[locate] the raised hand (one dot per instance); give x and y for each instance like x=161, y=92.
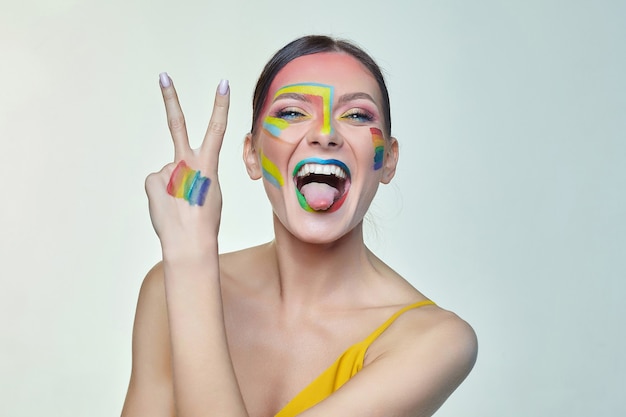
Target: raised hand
x=184, y=226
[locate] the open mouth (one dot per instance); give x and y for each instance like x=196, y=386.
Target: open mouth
x=321, y=184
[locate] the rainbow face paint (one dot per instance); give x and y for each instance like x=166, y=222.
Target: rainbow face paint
x=271, y=172
x=275, y=125
x=378, y=141
x=188, y=184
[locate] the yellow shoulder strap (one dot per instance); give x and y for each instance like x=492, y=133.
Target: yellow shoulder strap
x=368, y=341
x=344, y=368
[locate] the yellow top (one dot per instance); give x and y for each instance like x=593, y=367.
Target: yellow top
x=344, y=368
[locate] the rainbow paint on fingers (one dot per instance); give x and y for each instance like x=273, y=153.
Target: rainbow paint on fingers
x=188, y=184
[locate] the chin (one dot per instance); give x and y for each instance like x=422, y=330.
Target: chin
x=319, y=237
x=318, y=228
x=322, y=227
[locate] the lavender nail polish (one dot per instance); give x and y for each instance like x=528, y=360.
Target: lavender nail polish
x=165, y=80
x=222, y=89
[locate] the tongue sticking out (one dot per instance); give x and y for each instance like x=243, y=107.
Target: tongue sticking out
x=319, y=196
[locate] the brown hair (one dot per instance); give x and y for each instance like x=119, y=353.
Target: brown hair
x=313, y=44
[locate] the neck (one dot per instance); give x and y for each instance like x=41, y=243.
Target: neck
x=312, y=274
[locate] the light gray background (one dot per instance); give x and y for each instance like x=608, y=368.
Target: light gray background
x=508, y=206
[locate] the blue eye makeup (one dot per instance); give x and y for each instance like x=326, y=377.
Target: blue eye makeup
x=289, y=114
x=358, y=115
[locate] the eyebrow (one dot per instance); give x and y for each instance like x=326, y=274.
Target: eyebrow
x=355, y=96
x=295, y=96
x=343, y=99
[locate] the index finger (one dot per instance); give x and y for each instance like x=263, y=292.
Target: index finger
x=175, y=117
x=214, y=136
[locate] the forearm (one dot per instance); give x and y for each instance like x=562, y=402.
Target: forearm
x=204, y=378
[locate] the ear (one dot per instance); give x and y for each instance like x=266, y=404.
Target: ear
x=251, y=158
x=391, y=161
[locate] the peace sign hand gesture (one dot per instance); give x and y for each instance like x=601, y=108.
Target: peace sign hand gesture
x=184, y=197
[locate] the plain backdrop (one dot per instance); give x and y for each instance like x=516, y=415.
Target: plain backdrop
x=508, y=206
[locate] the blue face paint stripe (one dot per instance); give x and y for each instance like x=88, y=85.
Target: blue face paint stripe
x=271, y=179
x=272, y=129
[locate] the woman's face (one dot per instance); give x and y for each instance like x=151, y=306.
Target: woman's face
x=319, y=145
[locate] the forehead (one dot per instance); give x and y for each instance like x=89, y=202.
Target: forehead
x=339, y=70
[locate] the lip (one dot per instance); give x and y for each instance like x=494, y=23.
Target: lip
x=338, y=203
x=321, y=162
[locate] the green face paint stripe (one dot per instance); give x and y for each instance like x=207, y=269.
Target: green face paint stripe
x=271, y=172
x=302, y=201
x=326, y=92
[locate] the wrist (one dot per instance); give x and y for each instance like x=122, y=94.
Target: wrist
x=183, y=270
x=189, y=253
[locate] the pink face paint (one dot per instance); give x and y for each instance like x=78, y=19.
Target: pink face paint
x=275, y=125
x=378, y=141
x=188, y=184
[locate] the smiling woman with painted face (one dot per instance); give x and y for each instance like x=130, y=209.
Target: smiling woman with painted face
x=311, y=323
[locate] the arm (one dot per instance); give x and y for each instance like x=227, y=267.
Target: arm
x=204, y=381
x=150, y=392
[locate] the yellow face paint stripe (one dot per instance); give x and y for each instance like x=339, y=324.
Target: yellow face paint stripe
x=271, y=171
x=275, y=125
x=320, y=90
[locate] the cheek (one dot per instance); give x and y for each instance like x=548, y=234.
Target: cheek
x=274, y=126
x=271, y=173
x=281, y=131
x=274, y=157
x=378, y=142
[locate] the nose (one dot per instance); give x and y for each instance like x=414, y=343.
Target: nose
x=325, y=137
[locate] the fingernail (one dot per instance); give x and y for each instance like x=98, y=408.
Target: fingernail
x=223, y=87
x=165, y=80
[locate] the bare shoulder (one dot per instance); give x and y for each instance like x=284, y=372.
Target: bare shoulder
x=231, y=260
x=239, y=265
x=151, y=306
x=150, y=390
x=433, y=325
x=431, y=341
x=410, y=369
x=426, y=331
x=153, y=283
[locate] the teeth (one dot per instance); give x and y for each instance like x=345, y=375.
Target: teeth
x=321, y=170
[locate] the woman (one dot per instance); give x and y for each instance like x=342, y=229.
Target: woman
x=312, y=323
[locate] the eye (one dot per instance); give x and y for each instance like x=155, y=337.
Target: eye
x=358, y=115
x=290, y=114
